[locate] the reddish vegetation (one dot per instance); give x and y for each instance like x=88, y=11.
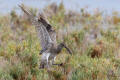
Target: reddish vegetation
x=97, y=50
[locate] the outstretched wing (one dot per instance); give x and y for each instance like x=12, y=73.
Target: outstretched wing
x=32, y=18
x=49, y=28
x=43, y=34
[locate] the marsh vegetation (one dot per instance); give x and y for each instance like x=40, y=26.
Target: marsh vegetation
x=93, y=38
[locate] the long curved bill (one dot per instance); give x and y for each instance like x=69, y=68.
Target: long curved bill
x=70, y=52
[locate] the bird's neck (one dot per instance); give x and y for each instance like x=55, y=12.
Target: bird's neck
x=59, y=48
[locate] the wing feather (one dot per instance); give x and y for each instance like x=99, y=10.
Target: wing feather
x=49, y=28
x=43, y=34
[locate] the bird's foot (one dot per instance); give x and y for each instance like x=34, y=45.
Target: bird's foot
x=61, y=64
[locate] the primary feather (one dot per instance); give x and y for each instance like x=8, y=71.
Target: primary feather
x=49, y=28
x=40, y=26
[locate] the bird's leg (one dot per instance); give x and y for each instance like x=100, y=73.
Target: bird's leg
x=47, y=58
x=53, y=60
x=56, y=64
x=47, y=64
x=41, y=65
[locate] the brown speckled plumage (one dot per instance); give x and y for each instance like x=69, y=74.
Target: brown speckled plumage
x=47, y=36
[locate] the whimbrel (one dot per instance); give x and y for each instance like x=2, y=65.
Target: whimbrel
x=47, y=36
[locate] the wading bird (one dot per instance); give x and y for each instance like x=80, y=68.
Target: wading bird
x=47, y=36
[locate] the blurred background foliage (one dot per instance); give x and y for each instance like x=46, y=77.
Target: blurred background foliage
x=93, y=38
